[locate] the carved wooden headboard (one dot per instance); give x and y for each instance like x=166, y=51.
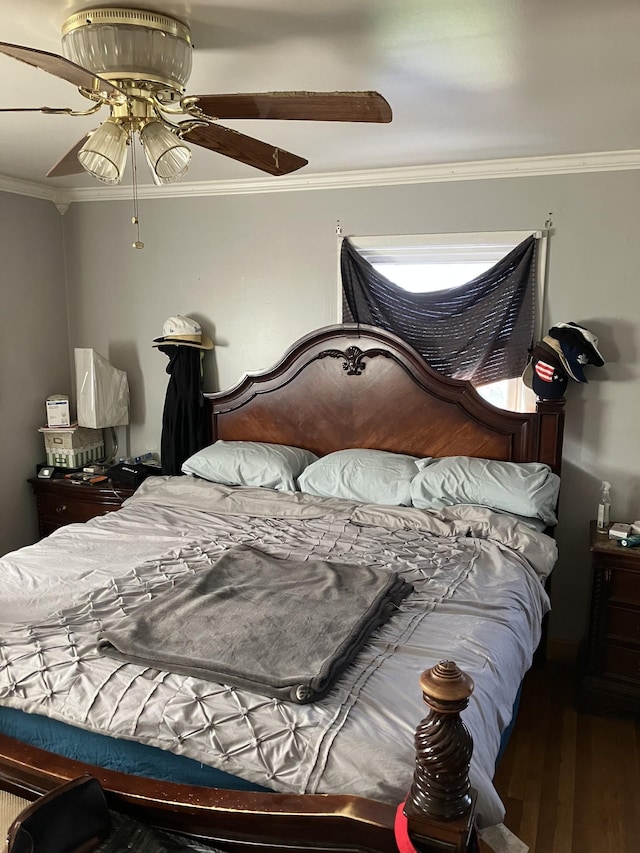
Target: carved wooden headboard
x=359, y=386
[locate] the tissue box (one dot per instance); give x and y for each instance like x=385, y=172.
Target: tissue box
x=619, y=530
x=58, y=414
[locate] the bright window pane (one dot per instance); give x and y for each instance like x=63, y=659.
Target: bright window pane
x=426, y=278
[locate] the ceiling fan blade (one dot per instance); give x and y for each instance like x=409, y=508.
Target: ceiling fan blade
x=300, y=106
x=60, y=67
x=29, y=109
x=246, y=149
x=69, y=164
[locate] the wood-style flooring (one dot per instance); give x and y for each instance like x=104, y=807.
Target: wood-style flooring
x=570, y=782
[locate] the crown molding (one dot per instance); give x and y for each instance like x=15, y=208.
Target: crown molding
x=34, y=190
x=607, y=161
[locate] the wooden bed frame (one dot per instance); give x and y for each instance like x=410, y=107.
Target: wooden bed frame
x=338, y=387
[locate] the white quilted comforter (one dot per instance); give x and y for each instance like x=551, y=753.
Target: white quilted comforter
x=478, y=600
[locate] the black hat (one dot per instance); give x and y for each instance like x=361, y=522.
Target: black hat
x=578, y=347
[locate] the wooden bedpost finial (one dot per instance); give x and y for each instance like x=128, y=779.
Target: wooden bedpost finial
x=441, y=790
x=445, y=688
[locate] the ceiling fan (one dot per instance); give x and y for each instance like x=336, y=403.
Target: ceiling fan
x=137, y=63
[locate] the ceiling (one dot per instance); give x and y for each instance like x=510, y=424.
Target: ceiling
x=468, y=80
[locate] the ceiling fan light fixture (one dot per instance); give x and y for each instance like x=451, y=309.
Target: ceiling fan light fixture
x=167, y=155
x=104, y=154
x=136, y=62
x=120, y=44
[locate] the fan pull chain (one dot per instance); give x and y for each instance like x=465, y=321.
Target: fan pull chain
x=138, y=244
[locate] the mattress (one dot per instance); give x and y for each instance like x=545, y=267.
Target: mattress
x=479, y=599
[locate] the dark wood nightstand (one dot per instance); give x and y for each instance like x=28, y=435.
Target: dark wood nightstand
x=610, y=673
x=61, y=502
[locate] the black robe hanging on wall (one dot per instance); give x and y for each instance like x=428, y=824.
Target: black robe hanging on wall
x=184, y=424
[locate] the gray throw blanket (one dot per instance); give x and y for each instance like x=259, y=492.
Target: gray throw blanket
x=281, y=628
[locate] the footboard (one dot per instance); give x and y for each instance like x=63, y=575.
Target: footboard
x=438, y=811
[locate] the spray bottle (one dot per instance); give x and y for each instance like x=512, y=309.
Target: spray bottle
x=602, y=524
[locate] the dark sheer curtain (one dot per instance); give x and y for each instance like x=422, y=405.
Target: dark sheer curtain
x=184, y=424
x=481, y=331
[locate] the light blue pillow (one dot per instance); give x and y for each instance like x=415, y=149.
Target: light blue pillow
x=367, y=476
x=523, y=488
x=250, y=463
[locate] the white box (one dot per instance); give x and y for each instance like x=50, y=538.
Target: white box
x=75, y=458
x=58, y=414
x=72, y=447
x=70, y=438
x=619, y=530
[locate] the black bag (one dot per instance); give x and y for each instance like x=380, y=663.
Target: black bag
x=129, y=474
x=73, y=818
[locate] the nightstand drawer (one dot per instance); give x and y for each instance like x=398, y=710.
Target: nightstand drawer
x=624, y=584
x=623, y=624
x=60, y=502
x=68, y=509
x=618, y=662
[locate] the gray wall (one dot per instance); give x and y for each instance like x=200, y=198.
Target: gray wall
x=35, y=350
x=260, y=270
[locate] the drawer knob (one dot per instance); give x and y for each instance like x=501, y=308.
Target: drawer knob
x=61, y=509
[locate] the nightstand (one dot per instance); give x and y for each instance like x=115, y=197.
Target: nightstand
x=61, y=502
x=610, y=674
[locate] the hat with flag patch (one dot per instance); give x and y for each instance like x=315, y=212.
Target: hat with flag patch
x=545, y=378
x=569, y=365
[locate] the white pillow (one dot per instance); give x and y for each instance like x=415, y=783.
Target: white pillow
x=250, y=463
x=523, y=488
x=368, y=476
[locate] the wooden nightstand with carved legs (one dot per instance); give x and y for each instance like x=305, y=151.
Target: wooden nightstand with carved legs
x=610, y=674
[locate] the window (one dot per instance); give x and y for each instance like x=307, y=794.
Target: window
x=421, y=263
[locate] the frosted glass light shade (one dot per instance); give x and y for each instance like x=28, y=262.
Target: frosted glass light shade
x=122, y=43
x=104, y=154
x=167, y=155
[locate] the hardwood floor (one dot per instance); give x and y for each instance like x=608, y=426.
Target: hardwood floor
x=570, y=782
